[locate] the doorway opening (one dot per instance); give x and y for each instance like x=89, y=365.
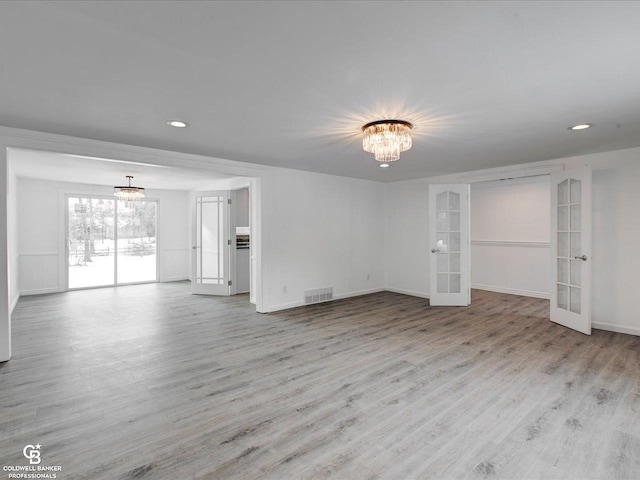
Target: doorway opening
x=110, y=242
x=510, y=236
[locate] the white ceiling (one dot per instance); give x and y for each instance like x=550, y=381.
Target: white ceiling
x=96, y=171
x=290, y=84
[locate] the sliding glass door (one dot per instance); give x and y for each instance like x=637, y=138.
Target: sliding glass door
x=110, y=242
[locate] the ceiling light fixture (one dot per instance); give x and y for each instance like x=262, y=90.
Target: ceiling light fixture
x=384, y=165
x=177, y=123
x=128, y=193
x=580, y=126
x=386, y=139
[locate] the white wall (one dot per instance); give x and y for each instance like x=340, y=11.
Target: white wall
x=510, y=222
x=41, y=232
x=320, y=231
x=407, y=237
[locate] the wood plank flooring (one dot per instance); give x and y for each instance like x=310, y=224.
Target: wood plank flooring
x=151, y=382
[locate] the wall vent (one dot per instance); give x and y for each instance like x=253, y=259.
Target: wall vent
x=318, y=295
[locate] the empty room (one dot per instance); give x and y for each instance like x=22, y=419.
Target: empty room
x=319, y=240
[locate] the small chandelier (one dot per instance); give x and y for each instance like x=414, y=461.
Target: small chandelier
x=128, y=193
x=386, y=139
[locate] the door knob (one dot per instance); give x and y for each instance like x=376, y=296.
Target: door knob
x=583, y=258
x=435, y=250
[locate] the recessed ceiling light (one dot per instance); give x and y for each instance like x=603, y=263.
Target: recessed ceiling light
x=384, y=165
x=580, y=126
x=177, y=123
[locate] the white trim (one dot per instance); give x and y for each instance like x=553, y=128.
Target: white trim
x=511, y=291
x=175, y=279
x=615, y=328
x=508, y=243
x=41, y=291
x=510, y=172
x=358, y=293
x=39, y=254
x=407, y=292
x=300, y=303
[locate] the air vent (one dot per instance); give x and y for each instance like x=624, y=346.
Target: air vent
x=318, y=295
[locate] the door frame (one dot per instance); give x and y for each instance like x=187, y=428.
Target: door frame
x=233, y=274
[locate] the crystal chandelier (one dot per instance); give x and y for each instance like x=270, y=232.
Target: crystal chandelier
x=128, y=193
x=386, y=139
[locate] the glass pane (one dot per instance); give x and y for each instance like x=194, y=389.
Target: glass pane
x=576, y=270
x=563, y=270
x=563, y=219
x=210, y=240
x=443, y=283
x=575, y=218
x=563, y=244
x=576, y=191
x=454, y=219
x=454, y=283
x=442, y=242
x=441, y=201
x=563, y=193
x=442, y=222
x=454, y=201
x=442, y=262
x=91, y=244
x=455, y=241
x=576, y=245
x=563, y=297
x=575, y=300
x=454, y=262
x=136, y=242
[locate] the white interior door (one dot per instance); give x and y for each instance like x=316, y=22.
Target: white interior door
x=450, y=271
x=571, y=248
x=210, y=266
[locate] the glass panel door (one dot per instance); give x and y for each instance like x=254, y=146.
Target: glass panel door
x=449, y=232
x=210, y=273
x=90, y=242
x=110, y=243
x=137, y=256
x=570, y=245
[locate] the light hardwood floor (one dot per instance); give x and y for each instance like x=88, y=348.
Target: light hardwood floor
x=151, y=382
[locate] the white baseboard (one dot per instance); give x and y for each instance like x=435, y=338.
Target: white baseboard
x=283, y=306
x=407, y=292
x=615, y=328
x=40, y=291
x=511, y=291
x=174, y=279
x=286, y=306
x=358, y=293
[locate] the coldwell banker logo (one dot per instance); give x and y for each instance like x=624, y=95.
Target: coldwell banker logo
x=32, y=452
x=34, y=469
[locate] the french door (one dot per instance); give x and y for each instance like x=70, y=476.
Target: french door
x=110, y=242
x=571, y=248
x=450, y=271
x=211, y=244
